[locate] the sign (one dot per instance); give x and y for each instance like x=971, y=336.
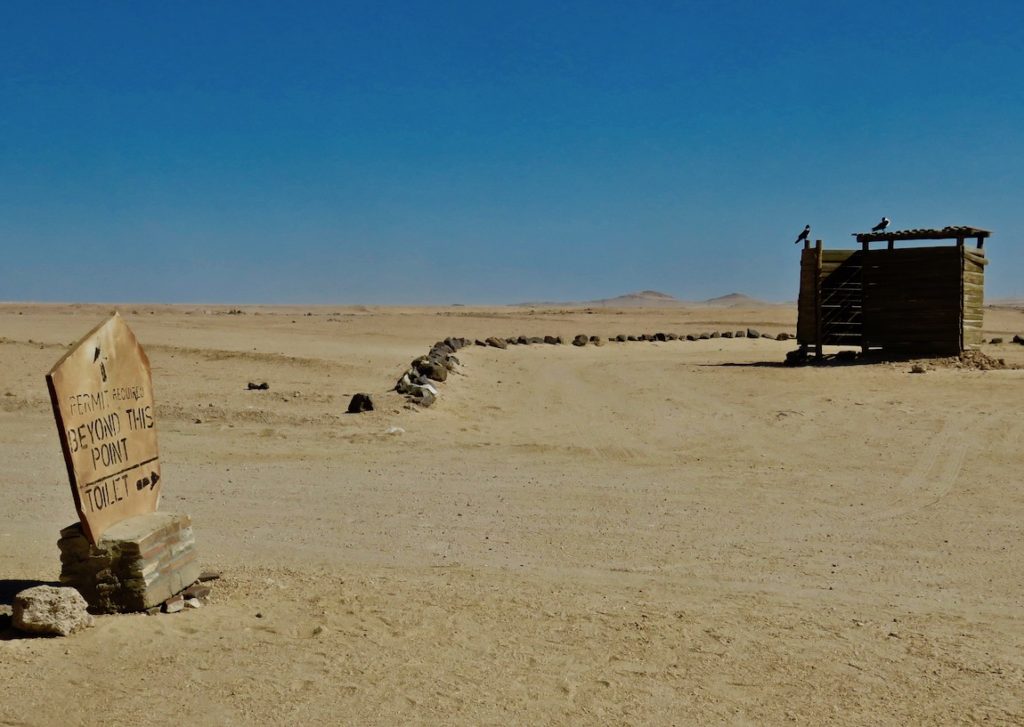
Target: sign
x=102, y=396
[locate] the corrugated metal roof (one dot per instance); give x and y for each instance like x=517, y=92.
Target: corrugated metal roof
x=955, y=232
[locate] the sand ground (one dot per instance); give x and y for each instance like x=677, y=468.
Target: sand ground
x=644, y=533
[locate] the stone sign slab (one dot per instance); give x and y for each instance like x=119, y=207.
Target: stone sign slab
x=102, y=396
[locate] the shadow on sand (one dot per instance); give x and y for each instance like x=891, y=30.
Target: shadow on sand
x=842, y=358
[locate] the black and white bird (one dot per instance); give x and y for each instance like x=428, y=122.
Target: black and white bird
x=881, y=225
x=803, y=235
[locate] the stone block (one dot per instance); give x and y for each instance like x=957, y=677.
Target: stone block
x=138, y=563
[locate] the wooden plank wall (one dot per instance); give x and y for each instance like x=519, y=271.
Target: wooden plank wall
x=974, y=263
x=913, y=300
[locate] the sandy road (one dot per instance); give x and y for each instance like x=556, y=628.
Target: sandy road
x=636, y=534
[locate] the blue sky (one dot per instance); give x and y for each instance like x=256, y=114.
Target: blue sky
x=477, y=152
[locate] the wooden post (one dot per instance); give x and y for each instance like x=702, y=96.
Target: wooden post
x=817, y=302
x=892, y=244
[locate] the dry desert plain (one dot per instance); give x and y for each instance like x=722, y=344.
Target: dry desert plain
x=642, y=533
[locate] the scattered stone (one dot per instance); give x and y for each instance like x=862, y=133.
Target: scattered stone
x=197, y=590
x=193, y=603
x=394, y=430
x=622, y=338
x=537, y=339
x=690, y=337
x=551, y=340
x=597, y=340
x=432, y=370
x=478, y=342
x=1019, y=339
x=727, y=334
x=50, y=610
x=917, y=369
x=768, y=336
x=360, y=403
x=704, y=336
x=741, y=334
x=6, y=614
x=258, y=387
x=672, y=336
x=716, y=334
x=660, y=337
x=209, y=575
x=580, y=340
x=996, y=341
x=174, y=604
x=496, y=343
x=523, y=340
x=752, y=333
x=423, y=397
x=783, y=337
x=631, y=338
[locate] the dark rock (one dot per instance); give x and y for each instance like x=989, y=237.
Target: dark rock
x=727, y=334
x=783, y=336
x=552, y=340
x=996, y=341
x=741, y=334
x=523, y=340
x=846, y=356
x=580, y=340
x=917, y=369
x=622, y=338
x=423, y=397
x=796, y=358
x=752, y=333
x=660, y=337
x=6, y=614
x=478, y=342
x=671, y=336
x=512, y=341
x=433, y=370
x=597, y=340
x=209, y=575
x=1019, y=339
x=716, y=334
x=360, y=403
x=690, y=337
x=537, y=339
x=258, y=387
x=632, y=338
x=769, y=336
x=197, y=590
x=496, y=342
x=704, y=336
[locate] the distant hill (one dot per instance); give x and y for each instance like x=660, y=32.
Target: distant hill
x=644, y=298
x=733, y=300
x=641, y=299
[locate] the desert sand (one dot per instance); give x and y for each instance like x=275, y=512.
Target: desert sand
x=643, y=533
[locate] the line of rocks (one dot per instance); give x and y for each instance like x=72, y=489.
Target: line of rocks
x=584, y=340
x=418, y=382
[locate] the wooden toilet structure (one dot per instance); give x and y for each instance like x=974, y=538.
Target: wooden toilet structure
x=907, y=300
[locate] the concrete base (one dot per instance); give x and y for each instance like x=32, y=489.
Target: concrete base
x=137, y=564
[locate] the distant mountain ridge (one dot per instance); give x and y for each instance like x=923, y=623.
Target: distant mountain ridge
x=649, y=299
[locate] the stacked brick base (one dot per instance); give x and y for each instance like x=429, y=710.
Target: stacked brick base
x=137, y=564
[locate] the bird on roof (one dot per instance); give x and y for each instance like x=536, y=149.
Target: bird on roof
x=881, y=225
x=803, y=235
